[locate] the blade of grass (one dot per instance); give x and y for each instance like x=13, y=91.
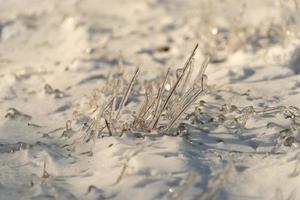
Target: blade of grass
x=125, y=97
x=160, y=96
x=185, y=107
x=175, y=86
x=201, y=72
x=108, y=127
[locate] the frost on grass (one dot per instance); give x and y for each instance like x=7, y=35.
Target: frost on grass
x=163, y=103
x=168, y=107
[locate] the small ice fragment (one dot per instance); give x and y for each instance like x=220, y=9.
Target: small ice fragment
x=167, y=87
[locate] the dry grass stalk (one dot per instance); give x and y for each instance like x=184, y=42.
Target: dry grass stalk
x=191, y=95
x=125, y=96
x=185, y=107
x=108, y=127
x=171, y=104
x=175, y=86
x=148, y=111
x=125, y=166
x=121, y=174
x=161, y=90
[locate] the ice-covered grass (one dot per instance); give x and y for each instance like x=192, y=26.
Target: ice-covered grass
x=113, y=100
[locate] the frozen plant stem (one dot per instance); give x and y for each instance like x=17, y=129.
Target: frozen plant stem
x=108, y=127
x=125, y=166
x=186, y=106
x=122, y=174
x=110, y=103
x=159, y=97
x=175, y=86
x=202, y=71
x=125, y=97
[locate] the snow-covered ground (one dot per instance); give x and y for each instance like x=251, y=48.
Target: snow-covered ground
x=61, y=62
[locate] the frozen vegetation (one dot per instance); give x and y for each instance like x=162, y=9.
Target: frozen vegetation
x=150, y=99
